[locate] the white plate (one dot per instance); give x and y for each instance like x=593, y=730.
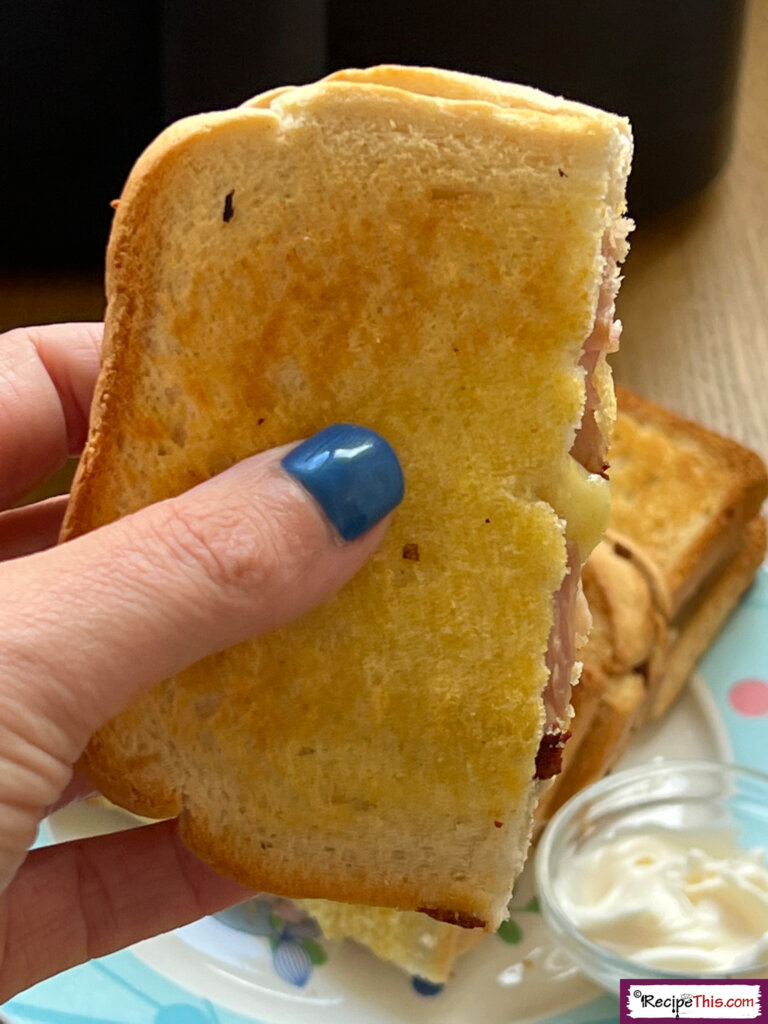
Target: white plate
x=208, y=973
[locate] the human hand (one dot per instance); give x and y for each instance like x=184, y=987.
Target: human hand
x=90, y=624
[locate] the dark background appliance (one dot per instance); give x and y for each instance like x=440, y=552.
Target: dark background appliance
x=86, y=84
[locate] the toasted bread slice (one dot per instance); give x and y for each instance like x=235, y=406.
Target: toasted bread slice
x=427, y=262
x=699, y=490
x=692, y=635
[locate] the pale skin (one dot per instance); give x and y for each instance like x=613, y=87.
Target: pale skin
x=88, y=625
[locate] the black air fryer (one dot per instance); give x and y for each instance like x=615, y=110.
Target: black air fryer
x=85, y=85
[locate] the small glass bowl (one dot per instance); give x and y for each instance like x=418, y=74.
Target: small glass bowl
x=695, y=796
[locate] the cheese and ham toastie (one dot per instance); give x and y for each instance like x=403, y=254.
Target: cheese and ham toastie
x=436, y=256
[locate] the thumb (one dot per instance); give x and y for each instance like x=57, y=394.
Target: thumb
x=94, y=622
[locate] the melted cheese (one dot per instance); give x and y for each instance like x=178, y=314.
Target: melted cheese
x=583, y=500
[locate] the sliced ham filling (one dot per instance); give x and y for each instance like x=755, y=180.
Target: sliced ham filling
x=571, y=619
x=561, y=652
x=570, y=628
x=589, y=446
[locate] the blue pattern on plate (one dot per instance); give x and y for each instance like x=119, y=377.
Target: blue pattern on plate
x=426, y=988
x=741, y=652
x=292, y=935
x=291, y=961
x=604, y=1010
x=118, y=989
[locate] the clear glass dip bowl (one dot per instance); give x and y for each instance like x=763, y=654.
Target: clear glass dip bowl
x=705, y=797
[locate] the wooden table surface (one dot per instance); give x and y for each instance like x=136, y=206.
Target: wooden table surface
x=695, y=300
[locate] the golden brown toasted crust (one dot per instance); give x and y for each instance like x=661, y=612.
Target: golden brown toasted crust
x=699, y=491
x=455, y=85
x=341, y=252
x=693, y=635
x=134, y=259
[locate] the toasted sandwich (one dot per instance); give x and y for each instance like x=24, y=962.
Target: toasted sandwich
x=691, y=538
x=435, y=255
x=698, y=538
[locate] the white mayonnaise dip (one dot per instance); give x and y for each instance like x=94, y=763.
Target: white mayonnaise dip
x=676, y=902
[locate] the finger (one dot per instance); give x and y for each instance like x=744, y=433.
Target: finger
x=78, y=788
x=32, y=528
x=86, y=898
x=139, y=600
x=47, y=376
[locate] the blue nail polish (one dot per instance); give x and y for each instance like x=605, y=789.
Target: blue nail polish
x=352, y=472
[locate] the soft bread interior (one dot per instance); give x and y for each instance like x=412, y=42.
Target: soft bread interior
x=429, y=267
